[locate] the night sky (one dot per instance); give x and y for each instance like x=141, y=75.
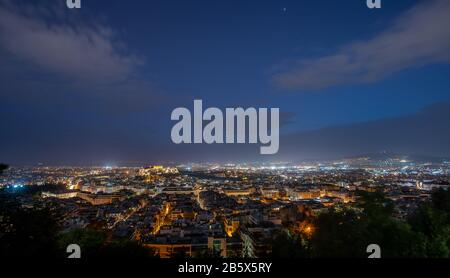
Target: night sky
x=97, y=85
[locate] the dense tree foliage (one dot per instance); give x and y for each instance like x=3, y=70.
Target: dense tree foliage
x=289, y=246
x=96, y=244
x=35, y=233
x=432, y=221
x=27, y=232
x=337, y=232
x=346, y=232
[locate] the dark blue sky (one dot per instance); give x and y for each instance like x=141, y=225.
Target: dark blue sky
x=97, y=85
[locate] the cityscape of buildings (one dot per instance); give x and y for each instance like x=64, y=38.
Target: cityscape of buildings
x=230, y=210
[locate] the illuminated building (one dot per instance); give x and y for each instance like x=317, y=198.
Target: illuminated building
x=231, y=225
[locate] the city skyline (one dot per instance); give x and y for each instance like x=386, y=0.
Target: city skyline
x=238, y=212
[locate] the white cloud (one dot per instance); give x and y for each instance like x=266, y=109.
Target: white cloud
x=76, y=51
x=418, y=37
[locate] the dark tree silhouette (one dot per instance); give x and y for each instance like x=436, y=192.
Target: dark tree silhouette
x=3, y=167
x=287, y=246
x=432, y=221
x=96, y=245
x=346, y=232
x=27, y=232
x=441, y=199
x=338, y=234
